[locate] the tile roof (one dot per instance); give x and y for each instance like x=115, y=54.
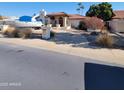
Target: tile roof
x=58, y=14
x=71, y=16
x=76, y=16
x=119, y=14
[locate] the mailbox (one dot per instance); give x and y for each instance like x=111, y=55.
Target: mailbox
x=46, y=33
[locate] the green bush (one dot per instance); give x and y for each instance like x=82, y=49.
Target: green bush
x=52, y=34
x=82, y=25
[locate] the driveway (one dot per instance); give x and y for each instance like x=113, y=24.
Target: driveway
x=74, y=38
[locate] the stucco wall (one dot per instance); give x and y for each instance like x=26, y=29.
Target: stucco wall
x=74, y=23
x=117, y=25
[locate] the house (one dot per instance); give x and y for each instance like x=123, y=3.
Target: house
x=119, y=15
x=58, y=18
x=117, y=22
x=64, y=19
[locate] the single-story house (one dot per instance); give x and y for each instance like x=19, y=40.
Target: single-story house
x=58, y=18
x=119, y=15
x=64, y=19
x=117, y=22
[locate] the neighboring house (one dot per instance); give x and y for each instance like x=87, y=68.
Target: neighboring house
x=117, y=22
x=119, y=15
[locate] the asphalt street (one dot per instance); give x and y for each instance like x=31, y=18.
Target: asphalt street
x=31, y=68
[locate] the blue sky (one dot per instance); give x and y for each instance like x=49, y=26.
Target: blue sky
x=29, y=8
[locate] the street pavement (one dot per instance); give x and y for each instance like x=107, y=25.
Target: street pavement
x=30, y=68
x=33, y=68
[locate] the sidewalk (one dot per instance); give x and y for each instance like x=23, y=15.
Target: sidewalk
x=108, y=55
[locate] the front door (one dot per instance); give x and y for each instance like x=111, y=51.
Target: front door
x=61, y=21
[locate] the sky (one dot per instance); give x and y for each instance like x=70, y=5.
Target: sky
x=31, y=8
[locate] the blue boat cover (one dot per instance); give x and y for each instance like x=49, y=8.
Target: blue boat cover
x=25, y=18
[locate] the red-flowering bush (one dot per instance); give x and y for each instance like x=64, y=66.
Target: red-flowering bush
x=94, y=23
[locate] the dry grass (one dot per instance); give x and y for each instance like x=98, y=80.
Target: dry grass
x=24, y=32
x=17, y=32
x=10, y=32
x=105, y=40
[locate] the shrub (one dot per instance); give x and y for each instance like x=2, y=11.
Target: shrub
x=17, y=32
x=82, y=25
x=104, y=30
x=24, y=32
x=94, y=23
x=52, y=34
x=10, y=32
x=104, y=40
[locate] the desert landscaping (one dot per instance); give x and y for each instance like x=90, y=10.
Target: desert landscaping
x=51, y=47
x=73, y=34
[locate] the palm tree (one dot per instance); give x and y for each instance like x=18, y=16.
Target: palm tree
x=80, y=8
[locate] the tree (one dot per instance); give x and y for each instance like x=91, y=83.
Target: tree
x=103, y=10
x=80, y=8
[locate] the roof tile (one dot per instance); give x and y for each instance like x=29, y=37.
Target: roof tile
x=119, y=14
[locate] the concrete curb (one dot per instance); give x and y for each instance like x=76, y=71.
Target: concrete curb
x=110, y=57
